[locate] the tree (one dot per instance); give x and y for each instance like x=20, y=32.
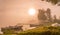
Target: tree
x=48, y=13
x=55, y=19
x=52, y=1
x=41, y=15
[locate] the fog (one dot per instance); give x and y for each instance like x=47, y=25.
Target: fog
x=13, y=12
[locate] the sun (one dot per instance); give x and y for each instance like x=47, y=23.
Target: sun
x=31, y=11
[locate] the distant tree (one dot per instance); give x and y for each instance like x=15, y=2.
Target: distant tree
x=41, y=15
x=48, y=13
x=52, y=1
x=42, y=0
x=58, y=4
x=55, y=19
x=58, y=20
x=59, y=17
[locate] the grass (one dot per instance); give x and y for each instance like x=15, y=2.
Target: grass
x=44, y=30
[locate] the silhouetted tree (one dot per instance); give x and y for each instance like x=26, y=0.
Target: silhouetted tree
x=59, y=17
x=58, y=20
x=55, y=19
x=48, y=13
x=48, y=0
x=52, y=1
x=41, y=15
x=42, y=0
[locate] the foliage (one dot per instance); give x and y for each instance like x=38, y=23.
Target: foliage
x=42, y=31
x=49, y=30
x=48, y=13
x=41, y=15
x=52, y=1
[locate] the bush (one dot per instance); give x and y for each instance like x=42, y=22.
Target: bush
x=42, y=31
x=39, y=31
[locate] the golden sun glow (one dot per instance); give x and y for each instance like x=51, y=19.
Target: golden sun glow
x=31, y=11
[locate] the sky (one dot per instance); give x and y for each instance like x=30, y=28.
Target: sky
x=13, y=12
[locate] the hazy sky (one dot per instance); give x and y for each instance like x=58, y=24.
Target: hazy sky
x=16, y=11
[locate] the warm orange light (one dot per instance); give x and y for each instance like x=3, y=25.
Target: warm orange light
x=31, y=11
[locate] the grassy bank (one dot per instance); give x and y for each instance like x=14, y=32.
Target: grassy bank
x=39, y=31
